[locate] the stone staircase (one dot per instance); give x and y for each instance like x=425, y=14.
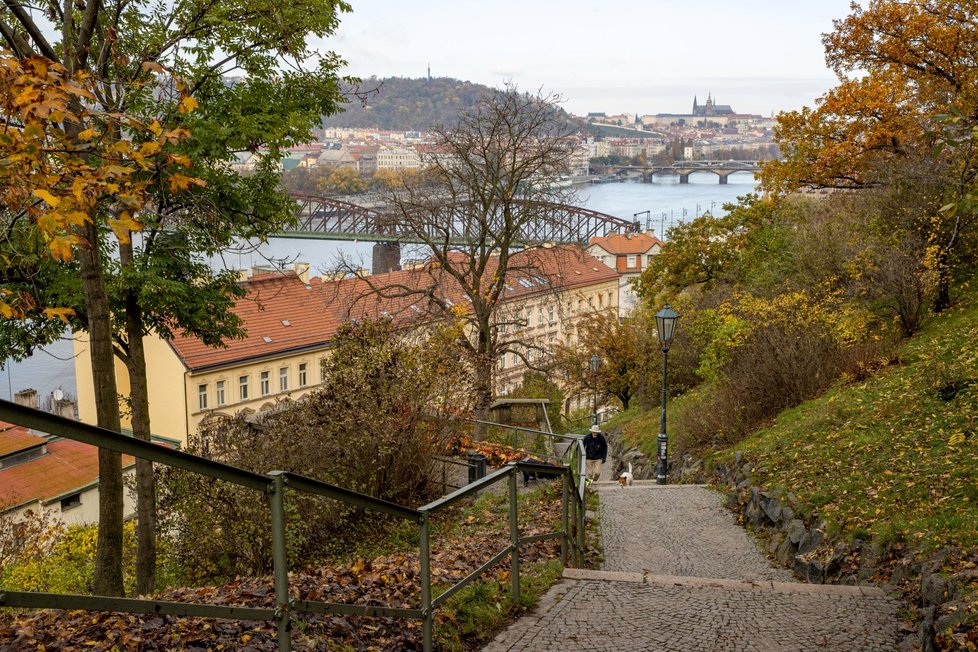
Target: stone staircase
x=680, y=574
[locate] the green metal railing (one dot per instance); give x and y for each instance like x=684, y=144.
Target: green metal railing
x=277, y=483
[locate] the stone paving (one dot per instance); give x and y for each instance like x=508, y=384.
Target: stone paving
x=677, y=530
x=680, y=575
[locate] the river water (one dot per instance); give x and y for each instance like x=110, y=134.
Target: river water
x=667, y=201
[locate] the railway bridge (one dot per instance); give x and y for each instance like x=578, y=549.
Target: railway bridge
x=326, y=218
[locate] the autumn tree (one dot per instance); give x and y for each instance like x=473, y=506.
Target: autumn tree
x=155, y=67
x=622, y=344
x=485, y=187
x=903, y=68
x=64, y=185
x=403, y=386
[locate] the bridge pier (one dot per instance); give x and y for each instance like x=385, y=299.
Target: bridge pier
x=386, y=258
x=684, y=178
x=723, y=178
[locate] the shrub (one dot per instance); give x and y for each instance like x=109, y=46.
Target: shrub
x=367, y=429
x=783, y=351
x=63, y=561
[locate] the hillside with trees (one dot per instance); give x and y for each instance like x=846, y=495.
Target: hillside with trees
x=402, y=104
x=399, y=103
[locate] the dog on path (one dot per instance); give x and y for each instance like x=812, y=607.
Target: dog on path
x=626, y=478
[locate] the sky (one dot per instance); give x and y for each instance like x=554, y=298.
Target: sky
x=759, y=56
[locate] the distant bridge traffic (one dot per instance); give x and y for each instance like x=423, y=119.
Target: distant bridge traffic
x=326, y=218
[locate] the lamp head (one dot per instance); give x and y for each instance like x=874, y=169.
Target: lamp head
x=595, y=364
x=665, y=323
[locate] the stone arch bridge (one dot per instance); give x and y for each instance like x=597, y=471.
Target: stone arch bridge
x=722, y=169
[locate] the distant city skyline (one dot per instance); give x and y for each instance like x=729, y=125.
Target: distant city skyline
x=759, y=56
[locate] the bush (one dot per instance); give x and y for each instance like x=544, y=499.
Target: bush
x=784, y=351
x=368, y=429
x=63, y=561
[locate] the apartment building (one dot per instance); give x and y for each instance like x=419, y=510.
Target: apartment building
x=628, y=254
x=291, y=320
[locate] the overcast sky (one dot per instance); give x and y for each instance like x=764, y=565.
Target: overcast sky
x=648, y=56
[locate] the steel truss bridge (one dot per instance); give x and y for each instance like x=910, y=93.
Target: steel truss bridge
x=324, y=218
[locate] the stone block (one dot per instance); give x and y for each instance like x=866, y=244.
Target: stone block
x=810, y=541
x=796, y=531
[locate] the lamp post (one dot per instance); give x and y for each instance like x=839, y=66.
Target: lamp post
x=595, y=366
x=665, y=323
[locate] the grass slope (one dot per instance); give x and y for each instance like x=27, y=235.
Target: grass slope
x=894, y=458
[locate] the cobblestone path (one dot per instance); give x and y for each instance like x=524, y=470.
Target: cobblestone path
x=680, y=575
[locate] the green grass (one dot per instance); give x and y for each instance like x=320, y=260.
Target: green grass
x=481, y=609
x=894, y=457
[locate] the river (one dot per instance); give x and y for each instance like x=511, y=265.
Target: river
x=667, y=201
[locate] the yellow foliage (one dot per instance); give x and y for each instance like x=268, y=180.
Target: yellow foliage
x=62, y=157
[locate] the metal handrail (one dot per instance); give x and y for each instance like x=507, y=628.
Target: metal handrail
x=276, y=483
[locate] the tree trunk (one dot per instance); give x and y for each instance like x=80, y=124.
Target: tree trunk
x=483, y=369
x=943, y=299
x=141, y=429
x=108, y=554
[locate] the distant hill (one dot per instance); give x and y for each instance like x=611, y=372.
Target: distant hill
x=401, y=104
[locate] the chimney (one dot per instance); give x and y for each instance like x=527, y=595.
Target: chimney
x=302, y=271
x=28, y=398
x=65, y=408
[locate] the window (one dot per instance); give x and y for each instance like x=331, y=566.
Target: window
x=600, y=301
x=611, y=298
x=243, y=388
x=322, y=370
x=283, y=378
x=219, y=392
x=550, y=313
x=202, y=396
x=540, y=315
x=502, y=361
x=264, y=383
x=302, y=374
x=590, y=303
x=69, y=502
x=630, y=261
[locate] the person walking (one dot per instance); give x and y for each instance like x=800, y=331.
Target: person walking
x=595, y=452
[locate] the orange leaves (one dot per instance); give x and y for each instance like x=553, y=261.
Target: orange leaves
x=180, y=181
x=65, y=161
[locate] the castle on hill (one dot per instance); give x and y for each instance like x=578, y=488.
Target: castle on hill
x=710, y=109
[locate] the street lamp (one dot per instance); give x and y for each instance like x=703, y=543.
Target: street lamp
x=595, y=366
x=665, y=323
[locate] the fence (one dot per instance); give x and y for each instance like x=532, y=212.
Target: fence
x=277, y=483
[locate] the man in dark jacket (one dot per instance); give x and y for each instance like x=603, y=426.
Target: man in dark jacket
x=595, y=451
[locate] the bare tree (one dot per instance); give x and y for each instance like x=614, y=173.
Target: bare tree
x=483, y=205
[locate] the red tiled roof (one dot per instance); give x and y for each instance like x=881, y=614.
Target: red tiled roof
x=636, y=243
x=14, y=439
x=315, y=311
x=67, y=466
